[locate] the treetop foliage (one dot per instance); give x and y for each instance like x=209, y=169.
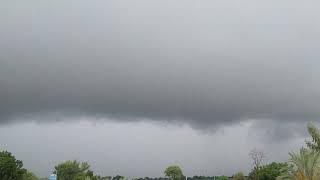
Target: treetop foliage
x=315, y=135
x=174, y=172
x=239, y=176
x=74, y=170
x=302, y=165
x=10, y=168
x=267, y=172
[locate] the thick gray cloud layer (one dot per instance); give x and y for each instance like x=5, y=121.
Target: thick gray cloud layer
x=206, y=62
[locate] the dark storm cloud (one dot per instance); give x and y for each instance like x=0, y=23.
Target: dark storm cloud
x=207, y=63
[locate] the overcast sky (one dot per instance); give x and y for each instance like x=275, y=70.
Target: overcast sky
x=194, y=83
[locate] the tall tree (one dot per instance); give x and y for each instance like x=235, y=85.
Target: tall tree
x=257, y=157
x=174, y=172
x=315, y=135
x=72, y=170
x=304, y=165
x=268, y=172
x=10, y=168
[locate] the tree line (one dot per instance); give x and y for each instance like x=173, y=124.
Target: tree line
x=302, y=165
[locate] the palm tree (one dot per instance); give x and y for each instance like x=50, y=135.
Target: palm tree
x=304, y=165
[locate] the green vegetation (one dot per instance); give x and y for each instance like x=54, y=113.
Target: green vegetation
x=238, y=176
x=10, y=168
x=30, y=176
x=304, y=165
x=221, y=178
x=268, y=172
x=314, y=144
x=174, y=172
x=74, y=170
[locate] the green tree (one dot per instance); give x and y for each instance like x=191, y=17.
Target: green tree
x=10, y=168
x=221, y=178
x=90, y=175
x=72, y=170
x=174, y=172
x=315, y=135
x=304, y=165
x=30, y=176
x=118, y=177
x=268, y=172
x=106, y=178
x=238, y=176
